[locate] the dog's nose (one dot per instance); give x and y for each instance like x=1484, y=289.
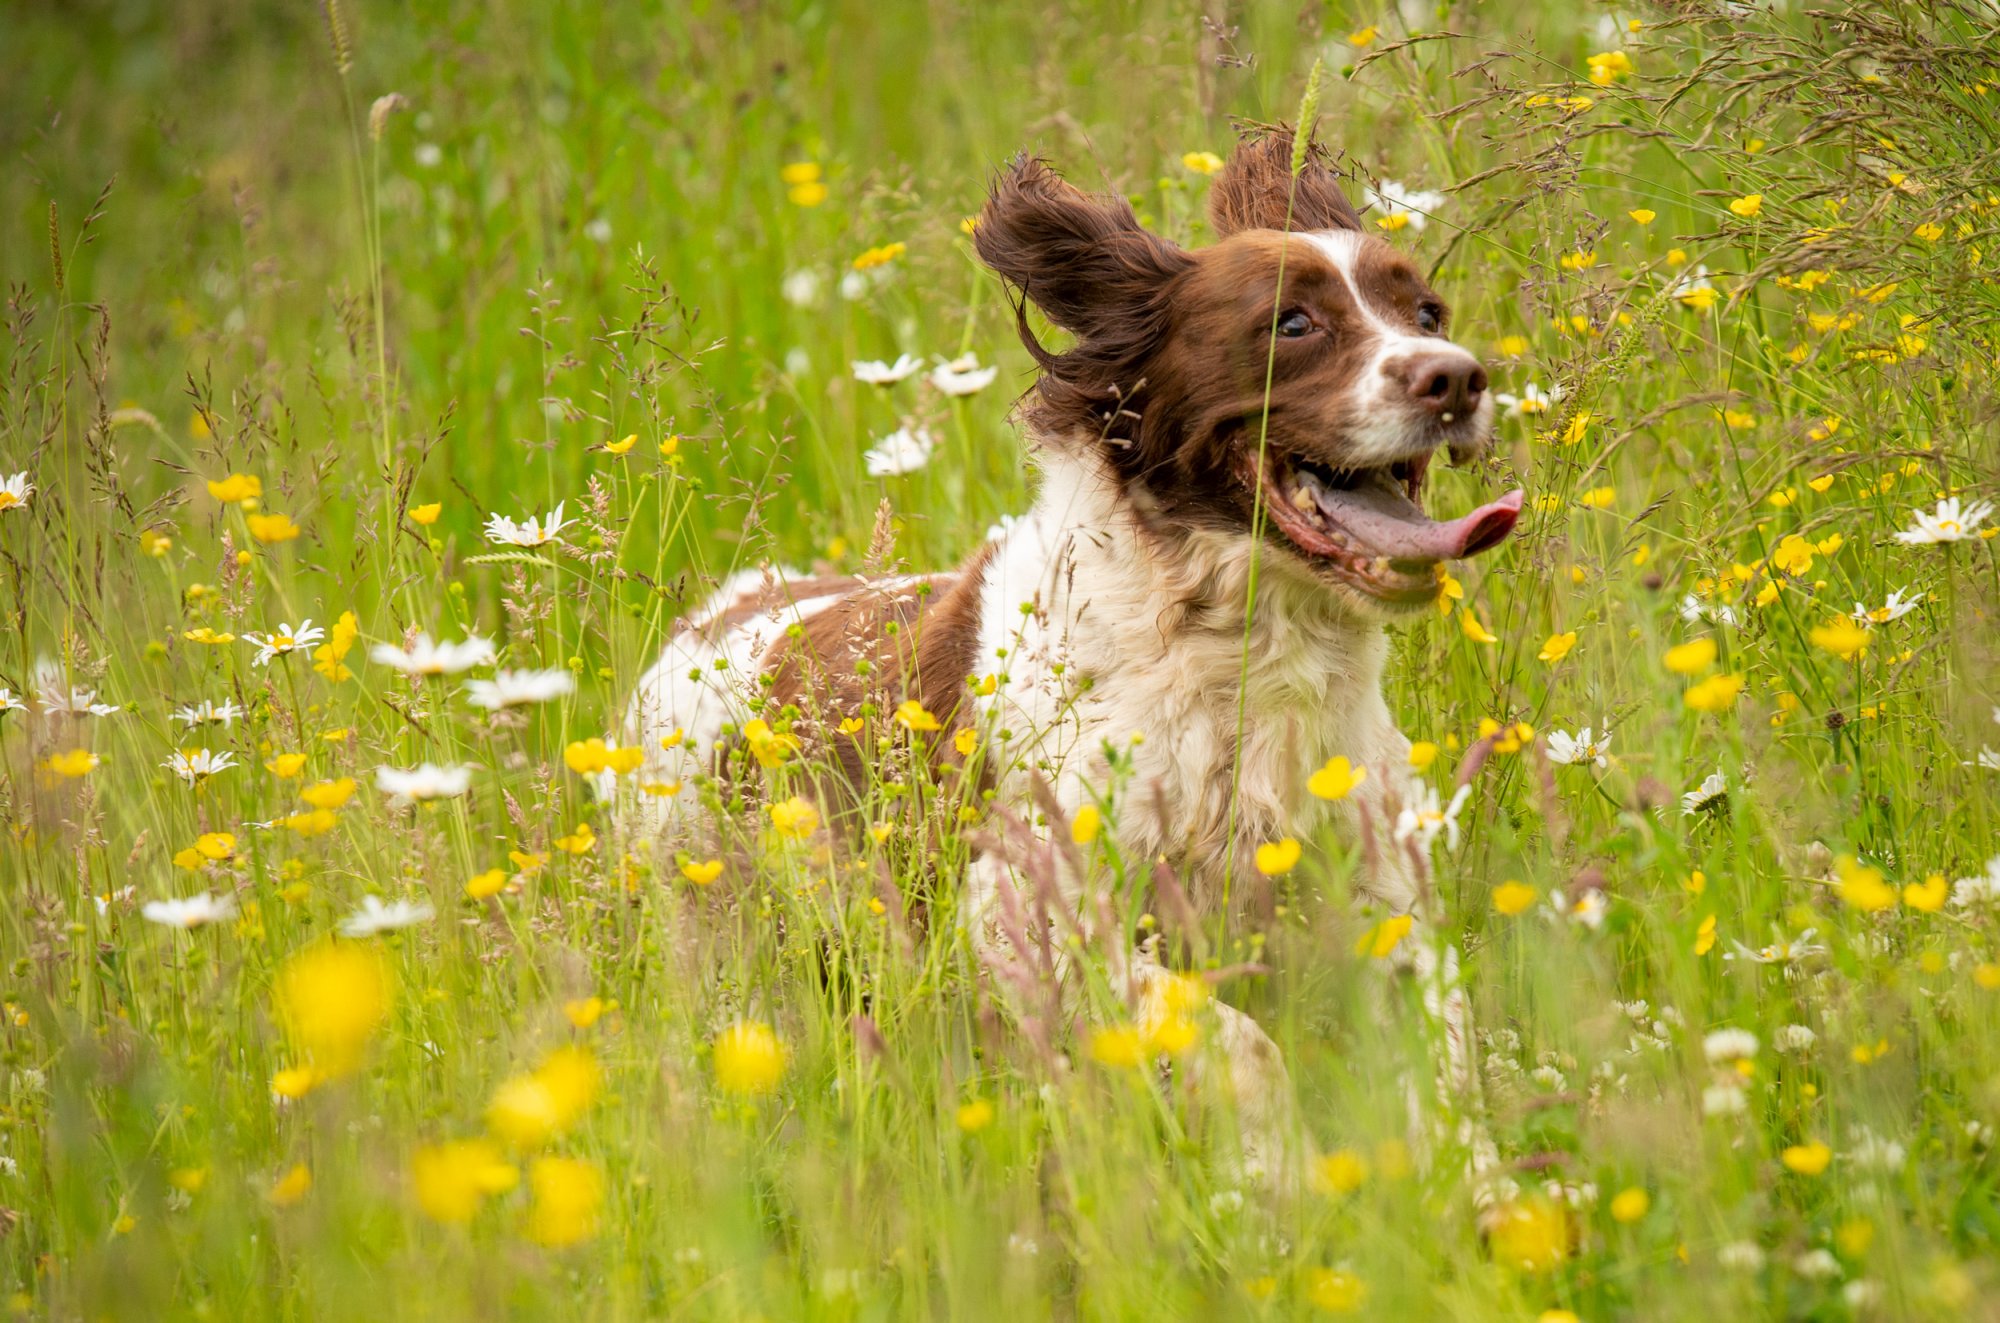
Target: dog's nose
x=1448, y=385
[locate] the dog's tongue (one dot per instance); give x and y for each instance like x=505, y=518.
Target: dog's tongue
x=1387, y=522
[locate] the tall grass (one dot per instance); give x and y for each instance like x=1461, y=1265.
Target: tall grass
x=580, y=229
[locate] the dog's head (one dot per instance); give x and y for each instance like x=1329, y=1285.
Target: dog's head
x=1297, y=337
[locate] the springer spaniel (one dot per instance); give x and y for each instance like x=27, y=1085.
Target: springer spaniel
x=1251, y=418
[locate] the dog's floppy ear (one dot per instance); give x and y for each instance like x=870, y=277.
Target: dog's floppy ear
x=1254, y=190
x=1084, y=261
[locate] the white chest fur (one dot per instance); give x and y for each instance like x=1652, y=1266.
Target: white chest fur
x=1124, y=640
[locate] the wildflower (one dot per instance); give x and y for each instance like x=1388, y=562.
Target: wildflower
x=1084, y=826
x=530, y=532
x=1473, y=629
x=423, y=657
x=879, y=256
x=426, y=781
x=10, y=702
x=1783, y=951
x=329, y=794
x=1862, y=886
x=489, y=883
x=965, y=742
x=207, y=713
x=1809, y=1159
x=593, y=756
x=912, y=715
x=875, y=372
x=1874, y=1153
x=1841, y=637
x=285, y=766
x=1718, y=693
x=568, y=1192
x=426, y=515
x=318, y=822
x=1795, y=1039
x=1979, y=890
x=291, y=1188
x=1531, y=1235
x=1607, y=67
x=209, y=847
x=1630, y=1205
x=283, y=641
x=580, y=842
x=974, y=1116
x=963, y=376
x=794, y=819
x=15, y=489
x=1642, y=215
x=1727, y=1046
x=904, y=450
x=531, y=1108
x=1894, y=607
x=1556, y=647
x=1423, y=819
x=196, y=766
x=72, y=764
x=236, y=488
x=1693, y=610
x=1276, y=858
x=450, y=1180
x=328, y=657
x=1511, y=898
x=270, y=529
x=59, y=700
x=190, y=912
x=1588, y=909
x=1690, y=658
x=1201, y=163
x=749, y=1059
x=374, y=917
x=1118, y=1046
x=1338, y=778
x=1532, y=400
x=330, y=999
x=1401, y=207
x=1693, y=289
x=1951, y=522
x=1422, y=754
x=1748, y=206
x=1741, y=1255
x=1582, y=747
x=803, y=183
x=1711, y=794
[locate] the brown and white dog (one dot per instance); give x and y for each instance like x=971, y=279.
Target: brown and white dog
x=1264, y=409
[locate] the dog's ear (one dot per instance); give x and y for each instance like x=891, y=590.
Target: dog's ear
x=1255, y=191
x=1084, y=261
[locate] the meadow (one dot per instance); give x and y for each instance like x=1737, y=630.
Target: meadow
x=311, y=308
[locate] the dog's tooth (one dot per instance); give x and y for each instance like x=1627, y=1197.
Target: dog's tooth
x=1304, y=500
x=1380, y=565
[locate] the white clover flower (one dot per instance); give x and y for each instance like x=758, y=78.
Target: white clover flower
x=195, y=766
x=283, y=641
x=1401, y=206
x=1532, y=399
x=1816, y=1265
x=1894, y=608
x=426, y=781
x=15, y=489
x=1861, y=1293
x=1724, y=1099
x=534, y=531
x=963, y=376
x=1726, y=1045
x=1951, y=522
x=1582, y=747
x=375, y=917
x=854, y=285
x=598, y=230
x=1423, y=819
x=1797, y=1039
x=801, y=288
x=904, y=450
x=1871, y=1151
x=515, y=688
x=191, y=912
x=1980, y=890
x=207, y=713
x=424, y=657
x=1710, y=794
x=875, y=372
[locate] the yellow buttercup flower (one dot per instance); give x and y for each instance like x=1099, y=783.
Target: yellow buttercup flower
x=532, y=1108
x=794, y=818
x=272, y=528
x=72, y=763
x=1642, y=215
x=1083, y=827
x=1276, y=858
x=1690, y=658
x=1511, y=898
x=451, y=1180
x=1840, y=636
x=1718, y=693
x=488, y=883
x=285, y=766
x=912, y=715
x=1473, y=629
x=1861, y=886
x=1808, y=1159
x=1381, y=941
x=426, y=515
x=1557, y=647
x=1338, y=778
x=1202, y=163
x=329, y=794
x=291, y=1188
x=1747, y=206
x=331, y=999
x=568, y=1194
x=236, y=488
x=1630, y=1205
x=1929, y=895
x=621, y=445
x=703, y=872
x=749, y=1058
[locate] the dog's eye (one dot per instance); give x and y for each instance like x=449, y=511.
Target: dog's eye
x=1430, y=319
x=1294, y=324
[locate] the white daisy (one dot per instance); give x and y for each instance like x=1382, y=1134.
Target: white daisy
x=283, y=640
x=1895, y=607
x=15, y=489
x=1726, y=1045
x=1980, y=889
x=875, y=372
x=963, y=376
x=1782, y=951
x=1401, y=206
x=105, y=901
x=10, y=702
x=514, y=688
x=1692, y=281
x=1424, y=818
x=1582, y=747
x=375, y=917
x=1988, y=758
x=1532, y=399
x=423, y=657
x=904, y=450
x=1588, y=909
x=195, y=766
x=1710, y=794
x=1951, y=522
x=191, y=912
x=530, y=532
x=75, y=703
x=207, y=713
x=423, y=782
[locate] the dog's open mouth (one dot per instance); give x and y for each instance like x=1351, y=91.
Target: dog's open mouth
x=1369, y=527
